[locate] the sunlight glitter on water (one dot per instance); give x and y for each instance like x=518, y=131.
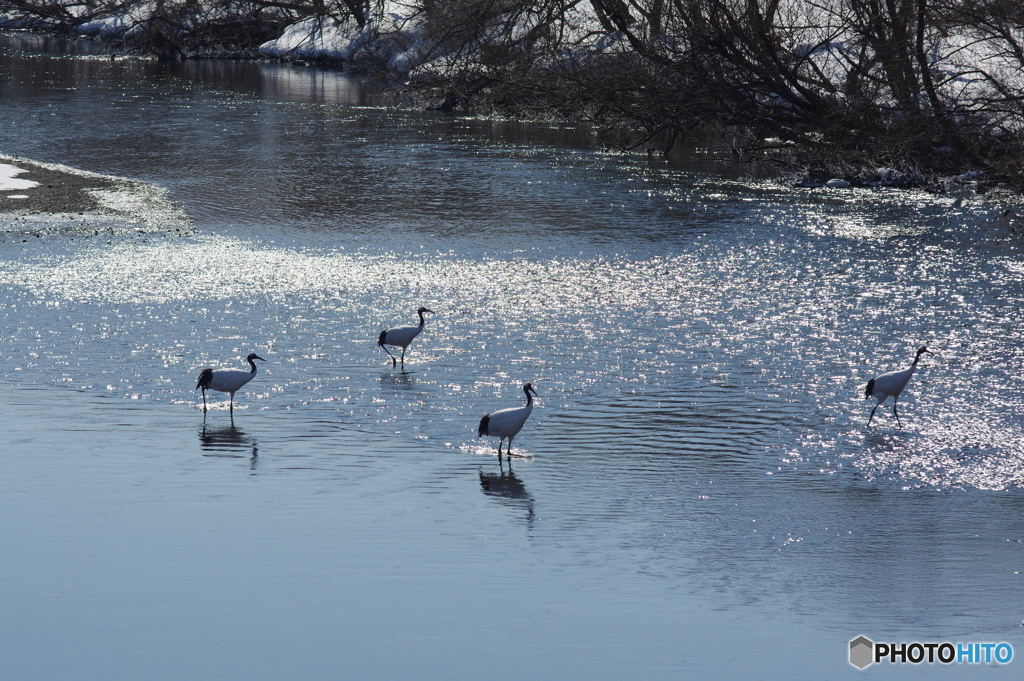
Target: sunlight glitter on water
x=672, y=351
x=226, y=268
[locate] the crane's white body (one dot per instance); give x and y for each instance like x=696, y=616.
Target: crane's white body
x=891, y=384
x=227, y=380
x=508, y=422
x=402, y=336
x=230, y=380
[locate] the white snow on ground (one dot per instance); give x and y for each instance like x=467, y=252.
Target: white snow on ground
x=399, y=35
x=121, y=24
x=9, y=182
x=318, y=38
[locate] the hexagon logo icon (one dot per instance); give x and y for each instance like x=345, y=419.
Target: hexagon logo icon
x=862, y=652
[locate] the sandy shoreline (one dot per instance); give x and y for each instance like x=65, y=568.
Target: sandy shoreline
x=58, y=191
x=68, y=194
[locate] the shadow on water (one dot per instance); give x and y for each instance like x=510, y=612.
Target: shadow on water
x=508, y=488
x=228, y=441
x=404, y=380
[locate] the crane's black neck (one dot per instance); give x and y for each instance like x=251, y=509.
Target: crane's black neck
x=252, y=363
x=529, y=397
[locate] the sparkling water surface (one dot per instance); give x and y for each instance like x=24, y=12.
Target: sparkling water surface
x=695, y=495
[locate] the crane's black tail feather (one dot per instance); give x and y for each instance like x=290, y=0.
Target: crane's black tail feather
x=870, y=388
x=381, y=341
x=205, y=376
x=485, y=422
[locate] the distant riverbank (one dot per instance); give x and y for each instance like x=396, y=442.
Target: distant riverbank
x=828, y=91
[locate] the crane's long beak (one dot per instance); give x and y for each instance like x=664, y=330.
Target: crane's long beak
x=259, y=358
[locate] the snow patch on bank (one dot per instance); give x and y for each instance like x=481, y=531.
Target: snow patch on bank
x=122, y=25
x=319, y=38
x=8, y=181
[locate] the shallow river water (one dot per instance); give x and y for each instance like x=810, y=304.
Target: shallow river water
x=696, y=494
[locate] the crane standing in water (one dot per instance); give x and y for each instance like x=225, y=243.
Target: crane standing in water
x=507, y=422
x=891, y=384
x=402, y=336
x=227, y=380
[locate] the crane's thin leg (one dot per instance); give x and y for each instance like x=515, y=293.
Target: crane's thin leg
x=389, y=355
x=403, y=359
x=204, y=400
x=872, y=414
x=896, y=414
x=231, y=403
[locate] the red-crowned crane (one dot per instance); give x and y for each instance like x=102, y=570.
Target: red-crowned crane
x=227, y=380
x=891, y=384
x=402, y=336
x=508, y=422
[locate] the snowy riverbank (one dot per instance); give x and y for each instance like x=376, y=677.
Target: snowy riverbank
x=930, y=92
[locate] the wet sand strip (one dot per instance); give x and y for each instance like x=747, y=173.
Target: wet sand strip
x=62, y=193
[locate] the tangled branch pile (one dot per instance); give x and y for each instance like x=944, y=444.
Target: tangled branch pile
x=925, y=86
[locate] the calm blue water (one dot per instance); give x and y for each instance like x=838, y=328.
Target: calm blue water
x=696, y=493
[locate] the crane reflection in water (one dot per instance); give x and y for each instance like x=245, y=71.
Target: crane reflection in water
x=508, y=488
x=396, y=382
x=229, y=442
